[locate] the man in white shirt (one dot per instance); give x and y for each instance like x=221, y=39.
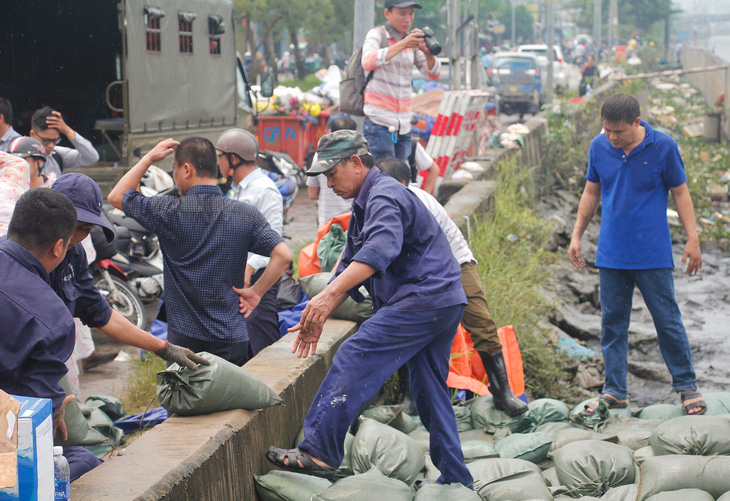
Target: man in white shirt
x=47, y=125
x=237, y=150
x=476, y=320
x=7, y=133
x=329, y=205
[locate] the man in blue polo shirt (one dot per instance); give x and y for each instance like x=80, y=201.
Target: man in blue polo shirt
x=632, y=168
x=397, y=250
x=205, y=240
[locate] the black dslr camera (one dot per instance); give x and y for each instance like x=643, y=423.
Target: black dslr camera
x=433, y=45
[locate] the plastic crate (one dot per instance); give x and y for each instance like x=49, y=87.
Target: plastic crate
x=285, y=134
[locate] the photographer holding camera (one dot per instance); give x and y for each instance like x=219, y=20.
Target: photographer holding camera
x=387, y=124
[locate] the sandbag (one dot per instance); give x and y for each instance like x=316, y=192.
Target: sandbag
x=508, y=480
x=624, y=493
x=565, y=437
x=345, y=469
x=393, y=452
x=718, y=403
x=220, y=386
x=349, y=310
x=601, y=414
x=552, y=429
x=369, y=486
x=696, y=435
x=682, y=495
x=662, y=412
x=724, y=497
x=79, y=430
x=463, y=418
x=451, y=492
x=289, y=486
x=641, y=455
x=421, y=436
x=632, y=432
x=550, y=475
x=392, y=415
x=485, y=416
x=532, y=447
x=591, y=467
x=547, y=410
x=671, y=473
x=111, y=406
x=476, y=435
x=476, y=450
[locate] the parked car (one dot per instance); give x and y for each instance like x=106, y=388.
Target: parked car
x=560, y=67
x=517, y=78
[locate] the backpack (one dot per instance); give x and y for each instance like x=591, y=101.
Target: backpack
x=352, y=87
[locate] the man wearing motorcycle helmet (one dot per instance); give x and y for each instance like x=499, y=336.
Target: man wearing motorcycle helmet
x=73, y=283
x=33, y=152
x=237, y=150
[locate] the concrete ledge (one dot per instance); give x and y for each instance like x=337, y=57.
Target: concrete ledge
x=214, y=457
x=473, y=198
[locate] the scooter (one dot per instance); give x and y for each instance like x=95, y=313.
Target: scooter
x=285, y=173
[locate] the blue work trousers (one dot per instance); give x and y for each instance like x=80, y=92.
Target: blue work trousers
x=80, y=460
x=380, y=142
x=420, y=339
x=657, y=288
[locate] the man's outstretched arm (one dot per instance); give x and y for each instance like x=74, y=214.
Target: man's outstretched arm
x=686, y=211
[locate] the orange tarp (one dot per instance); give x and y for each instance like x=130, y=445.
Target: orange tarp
x=308, y=260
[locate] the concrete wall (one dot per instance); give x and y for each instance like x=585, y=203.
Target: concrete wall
x=215, y=457
x=711, y=83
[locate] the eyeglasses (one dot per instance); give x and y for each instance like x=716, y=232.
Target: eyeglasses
x=49, y=141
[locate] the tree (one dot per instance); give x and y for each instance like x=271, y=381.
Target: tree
x=523, y=21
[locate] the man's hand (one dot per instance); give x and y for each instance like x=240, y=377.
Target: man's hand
x=414, y=40
x=59, y=425
x=574, y=253
x=693, y=254
x=248, y=300
x=162, y=150
x=310, y=326
x=184, y=357
x=55, y=121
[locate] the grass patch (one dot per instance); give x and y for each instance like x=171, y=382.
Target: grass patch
x=140, y=385
x=514, y=264
x=308, y=83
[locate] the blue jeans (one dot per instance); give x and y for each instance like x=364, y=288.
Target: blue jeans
x=381, y=142
x=420, y=339
x=657, y=288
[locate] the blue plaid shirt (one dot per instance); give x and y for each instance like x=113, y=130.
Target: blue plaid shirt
x=205, y=239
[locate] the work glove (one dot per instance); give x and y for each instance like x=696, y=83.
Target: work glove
x=184, y=357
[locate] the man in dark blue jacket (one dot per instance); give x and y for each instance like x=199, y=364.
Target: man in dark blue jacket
x=396, y=249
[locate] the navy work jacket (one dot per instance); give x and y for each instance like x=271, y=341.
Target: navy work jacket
x=38, y=333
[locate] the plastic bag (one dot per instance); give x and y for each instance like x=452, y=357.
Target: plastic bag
x=369, y=486
x=330, y=247
x=79, y=430
x=289, y=486
x=111, y=406
x=349, y=310
x=591, y=467
x=220, y=386
x=393, y=452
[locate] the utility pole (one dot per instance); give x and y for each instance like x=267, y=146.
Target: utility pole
x=365, y=16
x=550, y=41
x=514, y=37
x=475, y=59
x=596, y=28
x=453, y=20
x=612, y=24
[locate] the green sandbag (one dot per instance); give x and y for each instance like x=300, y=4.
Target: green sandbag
x=451, y=492
x=345, y=469
x=330, y=247
x=392, y=415
x=682, y=495
x=547, y=410
x=718, y=403
x=485, y=416
x=421, y=436
x=641, y=455
x=476, y=449
x=476, y=435
x=662, y=412
x=289, y=486
x=369, y=486
x=111, y=406
x=463, y=418
x=393, y=452
x=508, y=480
x=532, y=447
x=632, y=432
x=696, y=435
x=671, y=473
x=724, y=497
x=552, y=429
x=220, y=386
x=564, y=437
x=349, y=310
x=79, y=430
x=624, y=493
x=591, y=467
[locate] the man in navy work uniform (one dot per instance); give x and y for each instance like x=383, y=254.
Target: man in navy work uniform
x=633, y=167
x=205, y=239
x=74, y=284
x=38, y=330
x=397, y=250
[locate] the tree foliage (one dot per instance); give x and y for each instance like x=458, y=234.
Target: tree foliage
x=633, y=16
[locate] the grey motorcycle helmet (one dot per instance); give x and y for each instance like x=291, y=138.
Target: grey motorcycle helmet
x=238, y=142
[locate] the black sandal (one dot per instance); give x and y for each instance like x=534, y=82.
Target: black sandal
x=610, y=401
x=693, y=399
x=295, y=456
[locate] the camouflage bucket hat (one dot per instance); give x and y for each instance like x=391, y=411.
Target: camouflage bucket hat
x=337, y=146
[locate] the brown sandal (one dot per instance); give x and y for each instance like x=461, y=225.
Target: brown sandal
x=693, y=399
x=610, y=401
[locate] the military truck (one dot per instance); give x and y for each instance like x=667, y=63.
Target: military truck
x=125, y=73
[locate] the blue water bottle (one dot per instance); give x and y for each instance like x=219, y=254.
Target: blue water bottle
x=61, y=475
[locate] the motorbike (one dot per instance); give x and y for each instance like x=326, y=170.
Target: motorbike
x=285, y=173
